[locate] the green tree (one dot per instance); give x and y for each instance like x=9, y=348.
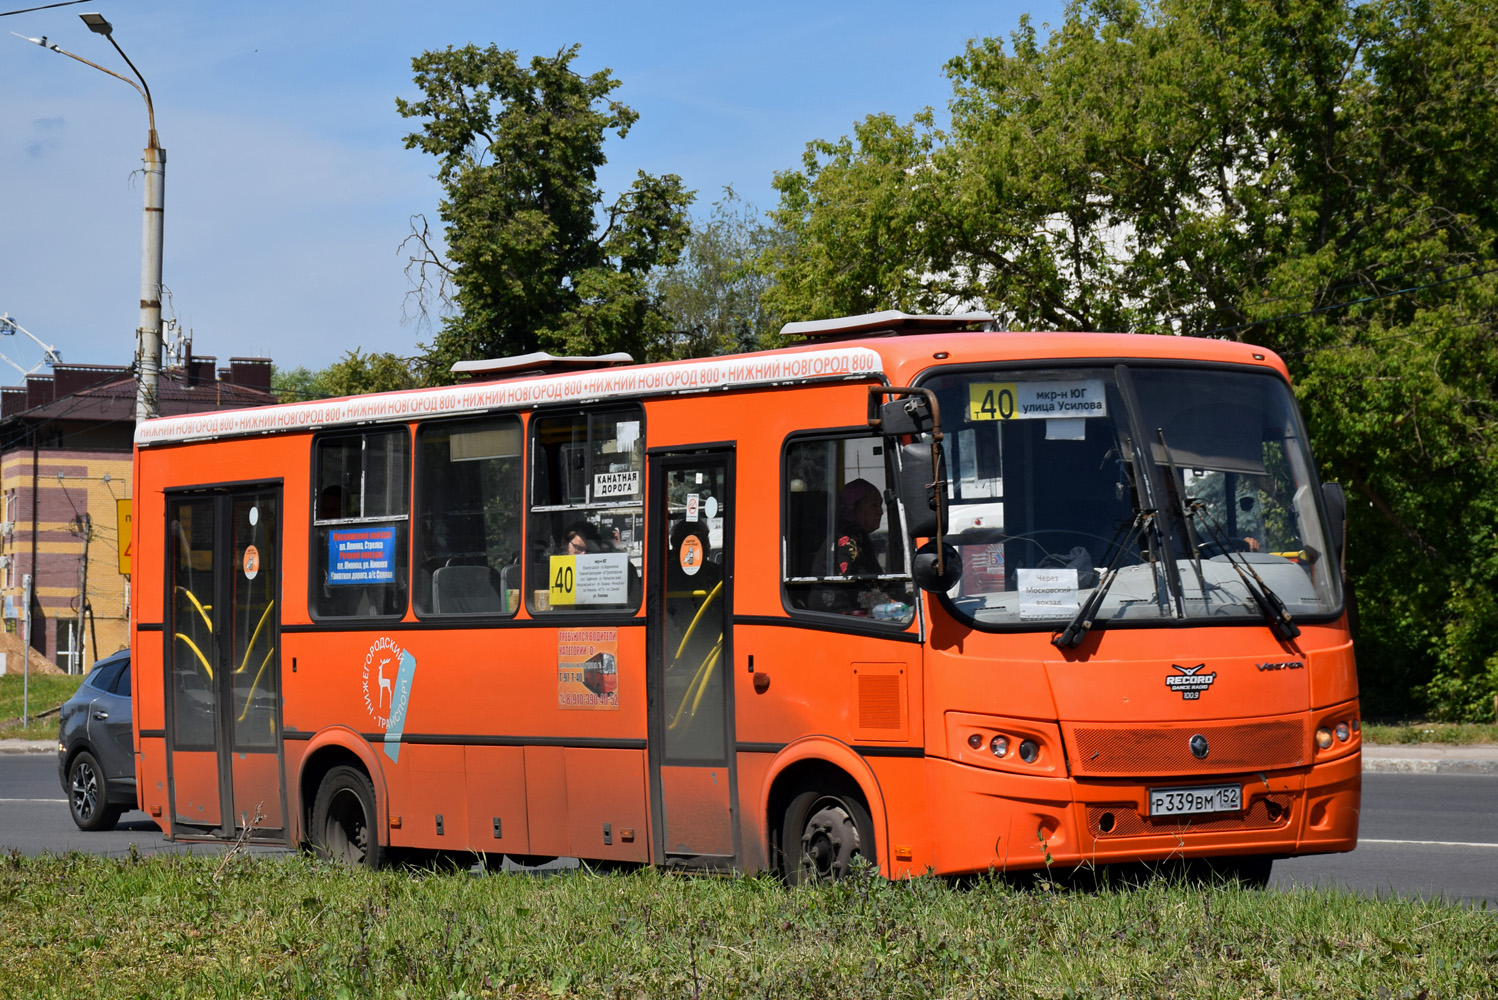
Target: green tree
x=534, y=258
x=354, y=374
x=713, y=297
x=1307, y=174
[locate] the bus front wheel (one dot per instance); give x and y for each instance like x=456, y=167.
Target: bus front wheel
x=343, y=819
x=822, y=832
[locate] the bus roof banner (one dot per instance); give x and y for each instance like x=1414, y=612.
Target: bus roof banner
x=779, y=368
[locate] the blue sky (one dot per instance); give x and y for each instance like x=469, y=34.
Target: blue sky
x=288, y=189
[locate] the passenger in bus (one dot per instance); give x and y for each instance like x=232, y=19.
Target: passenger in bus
x=690, y=564
x=850, y=552
x=581, y=537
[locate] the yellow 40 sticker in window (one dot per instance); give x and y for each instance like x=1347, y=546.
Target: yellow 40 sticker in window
x=990, y=400
x=1036, y=400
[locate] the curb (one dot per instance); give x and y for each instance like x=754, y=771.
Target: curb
x=1415, y=766
x=28, y=746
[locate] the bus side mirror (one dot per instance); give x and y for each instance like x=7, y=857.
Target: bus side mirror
x=908, y=415
x=1335, y=499
x=931, y=573
x=923, y=488
x=920, y=477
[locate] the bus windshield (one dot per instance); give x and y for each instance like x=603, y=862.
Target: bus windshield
x=1187, y=493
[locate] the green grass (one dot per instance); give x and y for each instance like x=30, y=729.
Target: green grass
x=48, y=691
x=200, y=927
x=1462, y=733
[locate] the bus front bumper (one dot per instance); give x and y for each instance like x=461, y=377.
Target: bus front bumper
x=1014, y=822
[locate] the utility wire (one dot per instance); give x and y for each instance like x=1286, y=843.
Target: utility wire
x=49, y=6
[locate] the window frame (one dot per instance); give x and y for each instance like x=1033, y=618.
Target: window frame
x=894, y=522
x=317, y=541
x=418, y=470
x=534, y=451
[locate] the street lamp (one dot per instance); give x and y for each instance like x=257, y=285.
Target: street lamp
x=148, y=335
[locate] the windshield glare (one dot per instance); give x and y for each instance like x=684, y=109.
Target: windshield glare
x=1195, y=484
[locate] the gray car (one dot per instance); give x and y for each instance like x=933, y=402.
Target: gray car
x=96, y=746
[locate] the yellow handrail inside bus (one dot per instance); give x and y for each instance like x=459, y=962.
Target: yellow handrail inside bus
x=201, y=658
x=202, y=610
x=253, y=636
x=695, y=619
x=698, y=684
x=256, y=683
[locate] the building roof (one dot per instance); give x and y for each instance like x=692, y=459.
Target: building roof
x=106, y=393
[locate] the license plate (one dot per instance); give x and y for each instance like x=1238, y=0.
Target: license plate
x=1203, y=799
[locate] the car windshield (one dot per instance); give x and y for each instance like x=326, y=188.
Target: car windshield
x=1186, y=493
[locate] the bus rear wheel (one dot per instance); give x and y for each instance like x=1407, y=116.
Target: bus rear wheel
x=822, y=832
x=344, y=828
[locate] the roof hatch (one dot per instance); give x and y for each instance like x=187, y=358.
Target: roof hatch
x=890, y=322
x=535, y=363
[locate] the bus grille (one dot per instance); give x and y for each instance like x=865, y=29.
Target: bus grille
x=1247, y=746
x=878, y=701
x=1123, y=820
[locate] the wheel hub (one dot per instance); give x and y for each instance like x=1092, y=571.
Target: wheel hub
x=830, y=841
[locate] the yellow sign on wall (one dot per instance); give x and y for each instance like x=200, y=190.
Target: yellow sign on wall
x=122, y=525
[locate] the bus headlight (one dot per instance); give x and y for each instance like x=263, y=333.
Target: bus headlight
x=1342, y=732
x=999, y=745
x=1324, y=738
x=1028, y=751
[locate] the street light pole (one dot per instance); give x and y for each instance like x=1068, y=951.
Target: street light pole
x=148, y=334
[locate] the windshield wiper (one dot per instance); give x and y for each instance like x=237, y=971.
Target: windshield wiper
x=1269, y=603
x=1174, y=485
x=1082, y=621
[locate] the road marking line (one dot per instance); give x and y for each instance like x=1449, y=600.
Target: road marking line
x=54, y=801
x=1425, y=843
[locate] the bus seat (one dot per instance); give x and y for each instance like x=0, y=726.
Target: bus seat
x=465, y=590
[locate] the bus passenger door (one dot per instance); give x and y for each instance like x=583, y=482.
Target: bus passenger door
x=223, y=678
x=693, y=782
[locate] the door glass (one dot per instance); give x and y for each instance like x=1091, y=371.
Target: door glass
x=192, y=598
x=696, y=610
x=252, y=653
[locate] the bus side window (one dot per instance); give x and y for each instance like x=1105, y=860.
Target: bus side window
x=360, y=519
x=586, y=511
x=468, y=503
x=840, y=554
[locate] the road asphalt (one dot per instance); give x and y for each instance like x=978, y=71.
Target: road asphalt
x=1428, y=758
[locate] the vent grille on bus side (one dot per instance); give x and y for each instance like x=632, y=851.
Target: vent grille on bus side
x=1249, y=746
x=878, y=701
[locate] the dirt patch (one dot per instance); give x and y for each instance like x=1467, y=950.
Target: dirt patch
x=36, y=663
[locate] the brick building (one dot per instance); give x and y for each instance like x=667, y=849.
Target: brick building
x=65, y=463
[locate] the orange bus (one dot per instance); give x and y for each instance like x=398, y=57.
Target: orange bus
x=913, y=590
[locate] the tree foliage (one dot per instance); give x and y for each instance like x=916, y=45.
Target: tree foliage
x=713, y=297
x=534, y=258
x=354, y=374
x=1311, y=175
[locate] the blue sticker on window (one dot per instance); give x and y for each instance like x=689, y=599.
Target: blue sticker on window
x=361, y=555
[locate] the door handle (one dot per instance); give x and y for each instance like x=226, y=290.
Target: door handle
x=101, y=714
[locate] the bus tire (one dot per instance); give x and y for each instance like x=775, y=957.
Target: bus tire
x=824, y=828
x=344, y=827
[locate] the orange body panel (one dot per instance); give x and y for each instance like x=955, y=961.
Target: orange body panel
x=488, y=746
